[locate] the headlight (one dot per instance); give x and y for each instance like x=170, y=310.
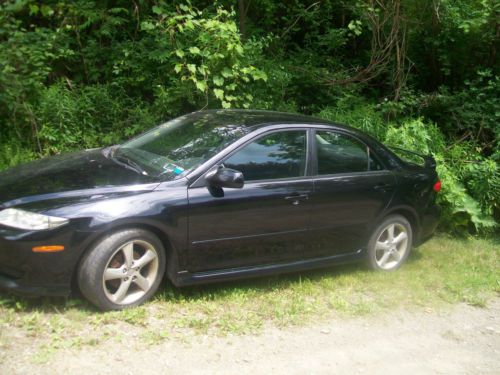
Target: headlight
x=13, y=217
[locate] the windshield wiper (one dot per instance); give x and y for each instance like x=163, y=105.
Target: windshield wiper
x=128, y=163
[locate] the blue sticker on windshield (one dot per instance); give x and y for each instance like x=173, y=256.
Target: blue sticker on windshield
x=178, y=170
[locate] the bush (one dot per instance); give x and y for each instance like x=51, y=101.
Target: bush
x=91, y=116
x=470, y=113
x=13, y=153
x=358, y=113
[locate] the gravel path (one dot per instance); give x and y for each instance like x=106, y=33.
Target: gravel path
x=463, y=340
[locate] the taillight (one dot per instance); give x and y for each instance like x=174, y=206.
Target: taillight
x=437, y=187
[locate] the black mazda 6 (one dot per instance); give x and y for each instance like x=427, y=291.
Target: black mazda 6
x=210, y=196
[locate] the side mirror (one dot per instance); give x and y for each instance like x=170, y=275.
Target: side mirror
x=225, y=177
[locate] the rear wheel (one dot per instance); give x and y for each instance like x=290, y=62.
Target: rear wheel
x=390, y=244
x=123, y=270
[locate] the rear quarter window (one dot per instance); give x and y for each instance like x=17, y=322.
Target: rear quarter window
x=339, y=153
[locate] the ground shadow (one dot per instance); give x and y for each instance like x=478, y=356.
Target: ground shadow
x=261, y=284
x=168, y=291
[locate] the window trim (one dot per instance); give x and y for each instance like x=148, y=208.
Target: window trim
x=377, y=159
x=369, y=152
x=383, y=172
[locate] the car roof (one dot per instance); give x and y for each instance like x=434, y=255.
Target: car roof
x=253, y=120
x=256, y=118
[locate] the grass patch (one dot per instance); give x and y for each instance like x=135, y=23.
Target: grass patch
x=442, y=271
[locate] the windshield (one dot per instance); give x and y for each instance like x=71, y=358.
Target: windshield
x=178, y=146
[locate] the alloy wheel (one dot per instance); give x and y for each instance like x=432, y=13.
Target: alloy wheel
x=130, y=272
x=391, y=246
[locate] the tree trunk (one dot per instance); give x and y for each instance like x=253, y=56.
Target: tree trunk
x=242, y=18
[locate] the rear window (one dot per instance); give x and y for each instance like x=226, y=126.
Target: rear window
x=409, y=157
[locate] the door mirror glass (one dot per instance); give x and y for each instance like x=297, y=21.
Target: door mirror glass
x=225, y=178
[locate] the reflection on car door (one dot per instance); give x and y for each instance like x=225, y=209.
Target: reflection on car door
x=265, y=221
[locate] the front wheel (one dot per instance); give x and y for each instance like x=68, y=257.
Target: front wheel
x=390, y=244
x=123, y=270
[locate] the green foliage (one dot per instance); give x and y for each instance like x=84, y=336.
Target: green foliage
x=482, y=179
x=453, y=39
x=13, y=153
x=93, y=116
x=207, y=53
x=416, y=135
x=472, y=112
x=357, y=113
x=460, y=209
x=26, y=60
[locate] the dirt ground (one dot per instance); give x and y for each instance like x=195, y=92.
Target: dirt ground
x=460, y=340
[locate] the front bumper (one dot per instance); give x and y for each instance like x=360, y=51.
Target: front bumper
x=11, y=285
x=45, y=274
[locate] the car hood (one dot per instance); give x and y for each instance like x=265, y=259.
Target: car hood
x=81, y=175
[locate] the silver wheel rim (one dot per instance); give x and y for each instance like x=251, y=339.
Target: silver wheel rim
x=391, y=246
x=131, y=272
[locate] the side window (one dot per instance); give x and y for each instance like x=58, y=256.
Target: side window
x=338, y=153
x=278, y=155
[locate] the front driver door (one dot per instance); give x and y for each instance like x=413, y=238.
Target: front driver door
x=265, y=221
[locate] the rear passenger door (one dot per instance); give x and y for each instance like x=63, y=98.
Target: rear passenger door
x=350, y=189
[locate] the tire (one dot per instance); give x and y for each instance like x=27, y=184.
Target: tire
x=384, y=253
x=122, y=270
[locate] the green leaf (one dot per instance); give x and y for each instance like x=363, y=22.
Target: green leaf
x=219, y=94
x=226, y=105
x=147, y=26
x=47, y=11
x=191, y=68
x=178, y=68
x=194, y=50
x=201, y=85
x=201, y=69
x=179, y=53
x=259, y=75
x=226, y=73
x=157, y=10
x=218, y=80
x=33, y=9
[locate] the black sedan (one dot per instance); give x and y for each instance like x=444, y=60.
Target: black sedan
x=210, y=196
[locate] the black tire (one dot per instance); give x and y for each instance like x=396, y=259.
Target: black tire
x=134, y=262
x=384, y=254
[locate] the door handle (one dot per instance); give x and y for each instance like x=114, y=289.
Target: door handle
x=296, y=199
x=382, y=187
